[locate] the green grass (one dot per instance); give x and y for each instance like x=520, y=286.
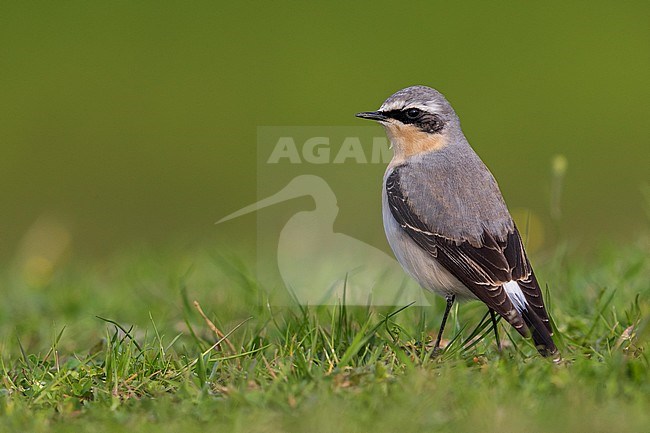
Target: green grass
x=152, y=362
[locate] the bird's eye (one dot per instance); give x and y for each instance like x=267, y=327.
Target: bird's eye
x=413, y=113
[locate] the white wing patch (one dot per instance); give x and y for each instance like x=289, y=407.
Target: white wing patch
x=516, y=295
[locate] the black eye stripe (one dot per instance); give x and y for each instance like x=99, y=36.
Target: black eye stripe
x=427, y=122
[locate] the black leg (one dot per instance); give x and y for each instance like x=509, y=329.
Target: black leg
x=496, y=330
x=450, y=302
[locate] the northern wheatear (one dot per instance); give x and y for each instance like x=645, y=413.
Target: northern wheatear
x=446, y=220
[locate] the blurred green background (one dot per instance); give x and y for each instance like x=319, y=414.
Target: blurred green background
x=131, y=122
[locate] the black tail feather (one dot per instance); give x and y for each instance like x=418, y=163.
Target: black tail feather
x=540, y=333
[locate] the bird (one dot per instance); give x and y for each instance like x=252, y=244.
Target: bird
x=446, y=220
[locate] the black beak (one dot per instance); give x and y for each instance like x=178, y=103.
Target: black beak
x=372, y=115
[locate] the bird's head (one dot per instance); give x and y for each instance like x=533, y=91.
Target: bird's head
x=417, y=119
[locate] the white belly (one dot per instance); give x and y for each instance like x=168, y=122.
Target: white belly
x=418, y=263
